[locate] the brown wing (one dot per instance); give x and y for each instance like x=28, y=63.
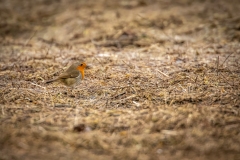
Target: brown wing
x=69, y=74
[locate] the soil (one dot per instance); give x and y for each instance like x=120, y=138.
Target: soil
x=162, y=79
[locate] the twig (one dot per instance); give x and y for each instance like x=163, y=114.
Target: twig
x=98, y=61
x=51, y=44
x=217, y=65
x=163, y=73
x=227, y=58
x=2, y=110
x=37, y=85
x=26, y=43
x=43, y=119
x=226, y=81
x=129, y=97
x=62, y=105
x=196, y=79
x=127, y=64
x=182, y=87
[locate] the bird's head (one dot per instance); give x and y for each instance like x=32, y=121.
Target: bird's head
x=81, y=68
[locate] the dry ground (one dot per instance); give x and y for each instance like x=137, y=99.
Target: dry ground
x=163, y=79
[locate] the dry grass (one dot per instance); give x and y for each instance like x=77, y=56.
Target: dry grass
x=159, y=83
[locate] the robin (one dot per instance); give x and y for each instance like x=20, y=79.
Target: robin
x=72, y=76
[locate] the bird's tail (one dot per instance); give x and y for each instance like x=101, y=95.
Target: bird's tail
x=52, y=80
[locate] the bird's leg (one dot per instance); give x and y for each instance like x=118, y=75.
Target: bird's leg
x=71, y=90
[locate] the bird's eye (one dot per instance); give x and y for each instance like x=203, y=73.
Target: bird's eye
x=81, y=64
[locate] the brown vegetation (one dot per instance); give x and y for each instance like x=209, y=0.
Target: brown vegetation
x=162, y=82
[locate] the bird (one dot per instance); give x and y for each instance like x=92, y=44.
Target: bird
x=72, y=76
